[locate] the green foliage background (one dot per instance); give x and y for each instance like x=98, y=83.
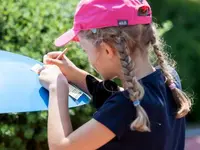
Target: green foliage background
x=30, y=27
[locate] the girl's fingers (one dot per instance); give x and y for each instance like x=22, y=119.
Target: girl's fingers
x=53, y=61
x=53, y=55
x=44, y=59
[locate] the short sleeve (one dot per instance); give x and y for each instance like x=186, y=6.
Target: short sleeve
x=92, y=83
x=100, y=91
x=116, y=114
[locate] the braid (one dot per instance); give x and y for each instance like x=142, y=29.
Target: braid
x=136, y=91
x=126, y=40
x=162, y=62
x=182, y=100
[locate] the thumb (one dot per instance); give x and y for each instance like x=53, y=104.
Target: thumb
x=53, y=61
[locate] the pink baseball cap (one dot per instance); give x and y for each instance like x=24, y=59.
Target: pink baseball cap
x=93, y=14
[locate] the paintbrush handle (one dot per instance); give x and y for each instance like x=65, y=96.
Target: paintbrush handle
x=64, y=52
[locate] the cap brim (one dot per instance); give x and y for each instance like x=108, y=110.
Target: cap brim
x=68, y=36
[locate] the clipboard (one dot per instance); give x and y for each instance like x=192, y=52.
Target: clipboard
x=20, y=89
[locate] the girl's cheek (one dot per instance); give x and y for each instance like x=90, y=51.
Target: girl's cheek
x=92, y=61
x=92, y=57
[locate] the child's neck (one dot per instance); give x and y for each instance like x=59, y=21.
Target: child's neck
x=143, y=68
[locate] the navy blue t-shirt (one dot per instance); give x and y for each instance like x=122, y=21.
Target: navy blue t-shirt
x=116, y=112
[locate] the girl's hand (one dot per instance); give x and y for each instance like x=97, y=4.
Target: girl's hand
x=66, y=66
x=51, y=76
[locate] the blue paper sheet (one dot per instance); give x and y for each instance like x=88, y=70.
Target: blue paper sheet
x=20, y=90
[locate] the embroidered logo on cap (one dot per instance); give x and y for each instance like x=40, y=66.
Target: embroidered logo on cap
x=122, y=22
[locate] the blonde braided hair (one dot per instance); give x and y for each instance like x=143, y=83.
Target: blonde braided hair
x=183, y=101
x=136, y=91
x=127, y=40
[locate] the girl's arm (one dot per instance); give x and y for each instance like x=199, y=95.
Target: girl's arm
x=89, y=136
x=73, y=74
x=93, y=134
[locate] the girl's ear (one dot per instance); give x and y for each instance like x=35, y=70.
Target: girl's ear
x=107, y=49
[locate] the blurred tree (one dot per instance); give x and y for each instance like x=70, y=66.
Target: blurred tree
x=184, y=42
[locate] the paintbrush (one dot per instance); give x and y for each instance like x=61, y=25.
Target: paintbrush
x=63, y=53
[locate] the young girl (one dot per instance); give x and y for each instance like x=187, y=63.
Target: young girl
x=147, y=113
